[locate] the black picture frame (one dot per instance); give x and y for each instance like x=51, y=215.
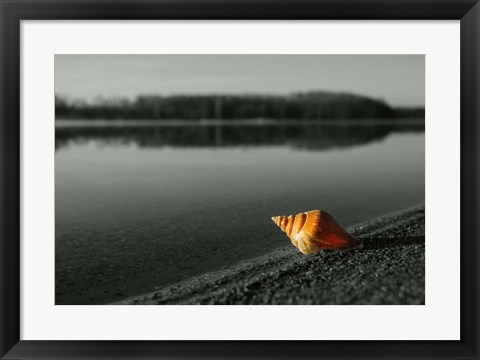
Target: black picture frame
x=14, y=11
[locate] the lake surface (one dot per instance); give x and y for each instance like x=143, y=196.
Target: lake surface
x=139, y=207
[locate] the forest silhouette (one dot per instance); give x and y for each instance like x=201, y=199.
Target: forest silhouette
x=317, y=105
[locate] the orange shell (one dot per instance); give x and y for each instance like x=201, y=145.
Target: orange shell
x=314, y=231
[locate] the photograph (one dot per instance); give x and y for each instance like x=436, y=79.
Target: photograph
x=239, y=179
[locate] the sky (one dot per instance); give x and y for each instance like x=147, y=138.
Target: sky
x=397, y=79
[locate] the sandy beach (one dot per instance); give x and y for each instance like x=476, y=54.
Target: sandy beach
x=390, y=269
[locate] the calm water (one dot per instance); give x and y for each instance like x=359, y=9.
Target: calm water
x=140, y=207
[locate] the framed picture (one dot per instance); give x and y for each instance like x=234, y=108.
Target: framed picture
x=245, y=180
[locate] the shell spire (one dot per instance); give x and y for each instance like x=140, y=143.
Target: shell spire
x=314, y=231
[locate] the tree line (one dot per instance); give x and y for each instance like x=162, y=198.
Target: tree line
x=308, y=106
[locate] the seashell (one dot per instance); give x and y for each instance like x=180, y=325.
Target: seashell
x=314, y=231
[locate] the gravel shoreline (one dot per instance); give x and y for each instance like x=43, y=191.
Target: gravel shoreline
x=390, y=269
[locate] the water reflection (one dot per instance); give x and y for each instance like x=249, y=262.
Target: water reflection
x=304, y=136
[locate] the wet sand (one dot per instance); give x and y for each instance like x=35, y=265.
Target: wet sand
x=390, y=269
